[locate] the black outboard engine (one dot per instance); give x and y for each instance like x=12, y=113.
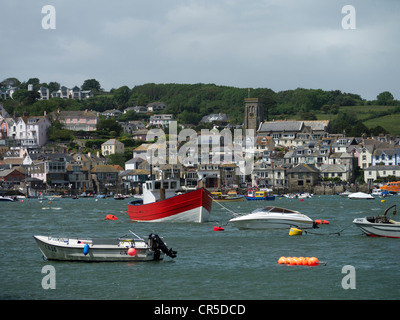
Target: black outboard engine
x=157, y=244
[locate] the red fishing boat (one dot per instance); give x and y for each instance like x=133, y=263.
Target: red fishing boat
x=160, y=204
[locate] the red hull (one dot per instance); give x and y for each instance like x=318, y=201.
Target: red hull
x=194, y=206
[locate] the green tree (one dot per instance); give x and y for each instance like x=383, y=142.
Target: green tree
x=385, y=98
x=91, y=84
x=122, y=95
x=117, y=159
x=53, y=86
x=107, y=126
x=10, y=82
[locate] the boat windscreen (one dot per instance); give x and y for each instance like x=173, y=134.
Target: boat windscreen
x=274, y=210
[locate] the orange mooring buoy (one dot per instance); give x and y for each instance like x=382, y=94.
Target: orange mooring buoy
x=319, y=221
x=111, y=217
x=299, y=261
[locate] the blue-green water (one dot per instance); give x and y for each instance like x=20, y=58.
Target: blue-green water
x=231, y=264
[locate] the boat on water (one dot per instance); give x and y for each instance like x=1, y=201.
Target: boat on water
x=272, y=218
x=161, y=204
x=302, y=195
x=8, y=199
x=360, y=196
x=219, y=197
x=104, y=249
x=260, y=195
x=380, y=226
x=392, y=187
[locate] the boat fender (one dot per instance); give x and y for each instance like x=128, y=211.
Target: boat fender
x=131, y=251
x=295, y=232
x=86, y=249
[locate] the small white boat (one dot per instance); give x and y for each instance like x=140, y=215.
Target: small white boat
x=272, y=217
x=103, y=249
x=8, y=199
x=379, y=226
x=360, y=196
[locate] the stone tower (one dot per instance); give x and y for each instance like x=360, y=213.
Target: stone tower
x=253, y=113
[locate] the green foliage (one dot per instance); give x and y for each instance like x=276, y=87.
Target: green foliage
x=108, y=126
x=117, y=159
x=91, y=84
x=385, y=98
x=58, y=134
x=94, y=143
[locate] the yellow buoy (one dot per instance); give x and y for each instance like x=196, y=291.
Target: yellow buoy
x=295, y=232
x=383, y=200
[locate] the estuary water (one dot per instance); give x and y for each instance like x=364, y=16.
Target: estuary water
x=213, y=265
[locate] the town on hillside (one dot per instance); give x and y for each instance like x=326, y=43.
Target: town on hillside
x=289, y=155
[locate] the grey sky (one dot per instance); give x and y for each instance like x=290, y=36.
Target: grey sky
x=277, y=44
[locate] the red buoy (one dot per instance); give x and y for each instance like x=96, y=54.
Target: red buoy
x=111, y=217
x=319, y=221
x=218, y=228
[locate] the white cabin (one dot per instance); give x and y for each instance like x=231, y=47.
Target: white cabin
x=156, y=190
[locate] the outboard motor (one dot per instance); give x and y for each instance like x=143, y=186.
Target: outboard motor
x=156, y=244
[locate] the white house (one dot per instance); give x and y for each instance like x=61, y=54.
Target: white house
x=161, y=120
x=388, y=157
x=374, y=172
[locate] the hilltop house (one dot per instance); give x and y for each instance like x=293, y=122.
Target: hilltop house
x=161, y=120
x=65, y=93
x=112, y=146
x=156, y=106
x=77, y=120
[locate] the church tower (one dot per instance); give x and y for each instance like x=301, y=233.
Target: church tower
x=253, y=113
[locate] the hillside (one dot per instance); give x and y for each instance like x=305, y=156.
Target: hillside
x=190, y=102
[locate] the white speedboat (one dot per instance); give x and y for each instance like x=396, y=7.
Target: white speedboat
x=8, y=199
x=360, y=196
x=103, y=249
x=379, y=226
x=272, y=217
